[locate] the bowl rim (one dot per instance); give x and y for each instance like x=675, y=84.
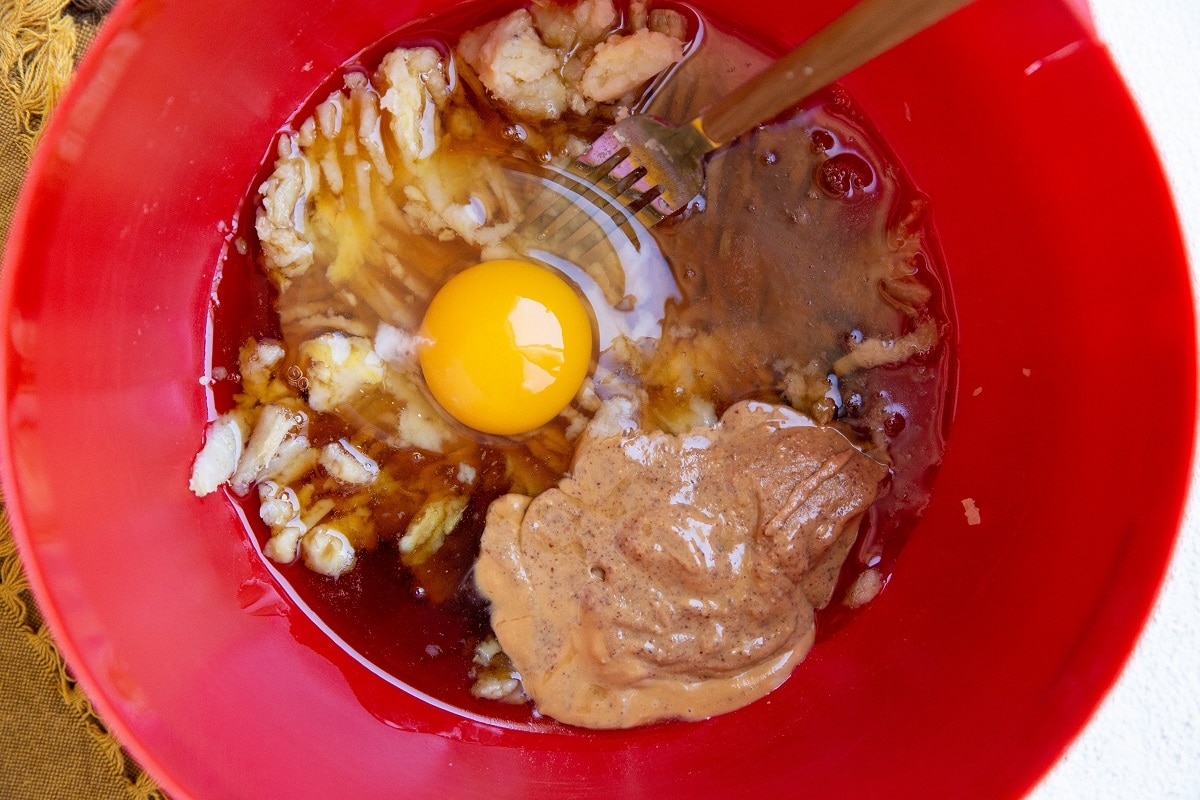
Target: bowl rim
x=82, y=77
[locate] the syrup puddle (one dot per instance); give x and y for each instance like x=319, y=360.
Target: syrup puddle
x=260, y=591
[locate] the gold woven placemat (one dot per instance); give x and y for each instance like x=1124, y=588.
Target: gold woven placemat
x=52, y=744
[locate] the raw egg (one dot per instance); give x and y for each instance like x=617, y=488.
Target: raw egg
x=505, y=346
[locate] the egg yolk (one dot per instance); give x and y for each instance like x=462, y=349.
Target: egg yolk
x=505, y=346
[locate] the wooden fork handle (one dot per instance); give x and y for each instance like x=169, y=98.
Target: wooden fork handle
x=863, y=32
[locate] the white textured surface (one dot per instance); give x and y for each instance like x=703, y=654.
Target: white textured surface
x=1144, y=742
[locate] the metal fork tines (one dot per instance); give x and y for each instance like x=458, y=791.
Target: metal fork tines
x=579, y=209
x=623, y=179
x=570, y=219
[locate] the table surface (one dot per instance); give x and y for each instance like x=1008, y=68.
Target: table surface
x=1145, y=739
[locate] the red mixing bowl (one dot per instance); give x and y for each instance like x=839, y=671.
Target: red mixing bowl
x=987, y=652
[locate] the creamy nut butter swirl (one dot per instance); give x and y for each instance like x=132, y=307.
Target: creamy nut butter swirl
x=674, y=577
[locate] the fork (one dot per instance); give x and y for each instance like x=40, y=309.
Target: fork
x=654, y=169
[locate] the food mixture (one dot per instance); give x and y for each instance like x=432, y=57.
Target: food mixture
x=699, y=440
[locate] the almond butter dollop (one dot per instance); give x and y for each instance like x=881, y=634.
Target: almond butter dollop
x=674, y=577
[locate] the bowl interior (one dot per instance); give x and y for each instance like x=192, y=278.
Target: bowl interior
x=992, y=643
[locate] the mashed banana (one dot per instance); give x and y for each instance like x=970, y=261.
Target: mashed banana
x=674, y=576
x=647, y=562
